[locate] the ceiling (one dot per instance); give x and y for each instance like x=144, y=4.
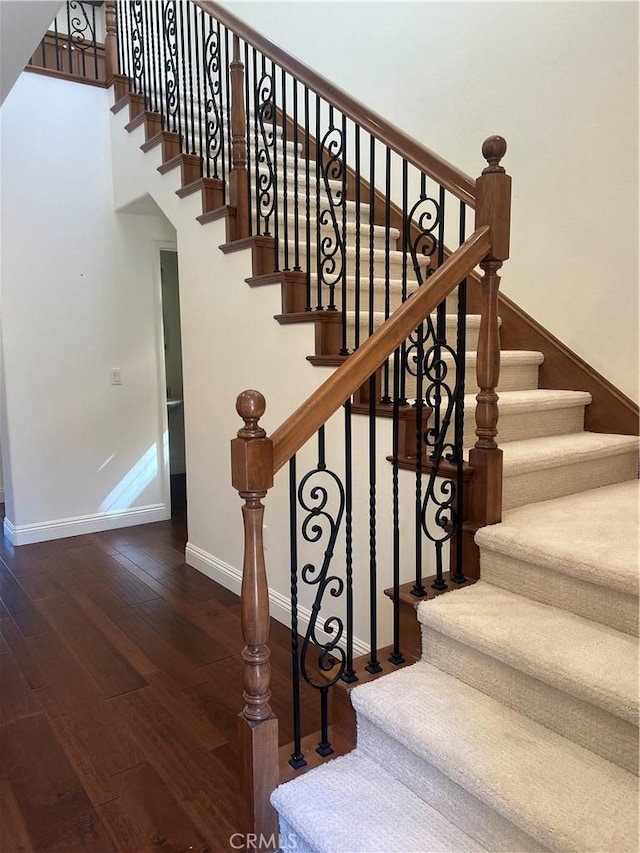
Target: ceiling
x=22, y=25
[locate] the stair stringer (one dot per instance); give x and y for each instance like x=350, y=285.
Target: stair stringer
x=230, y=343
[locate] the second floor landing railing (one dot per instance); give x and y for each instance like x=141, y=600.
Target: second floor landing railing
x=81, y=44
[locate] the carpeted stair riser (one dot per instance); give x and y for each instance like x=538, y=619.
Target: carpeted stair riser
x=522, y=413
x=308, y=820
x=606, y=606
x=574, y=677
x=518, y=372
x=473, y=327
x=536, y=780
x=560, y=552
x=361, y=264
x=614, y=739
x=521, y=488
x=327, y=232
x=430, y=784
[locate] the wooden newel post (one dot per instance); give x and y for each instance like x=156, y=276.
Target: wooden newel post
x=252, y=476
x=238, y=178
x=110, y=40
x=493, y=208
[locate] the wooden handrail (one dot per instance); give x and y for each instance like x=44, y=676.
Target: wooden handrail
x=457, y=182
x=319, y=407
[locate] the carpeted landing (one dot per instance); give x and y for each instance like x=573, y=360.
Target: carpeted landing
x=518, y=729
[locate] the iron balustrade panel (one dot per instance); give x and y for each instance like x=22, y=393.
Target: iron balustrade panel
x=72, y=46
x=368, y=229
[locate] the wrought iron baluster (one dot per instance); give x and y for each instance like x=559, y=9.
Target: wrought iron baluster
x=227, y=70
x=343, y=272
x=276, y=220
x=319, y=168
x=265, y=105
x=296, y=189
x=373, y=664
x=154, y=95
x=137, y=48
x=197, y=29
x=396, y=655
x=331, y=249
x=172, y=78
x=69, y=41
x=214, y=133
x=307, y=196
x=297, y=758
x=406, y=225
x=321, y=496
x=190, y=68
x=146, y=27
x=417, y=346
x=255, y=140
x=356, y=341
x=349, y=675
x=94, y=43
x=458, y=568
x=120, y=37
x=56, y=46
x=387, y=265
x=183, y=109
x=372, y=205
x=250, y=150
x=285, y=178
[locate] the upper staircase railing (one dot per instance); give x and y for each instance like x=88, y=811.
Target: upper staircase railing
x=80, y=44
x=368, y=233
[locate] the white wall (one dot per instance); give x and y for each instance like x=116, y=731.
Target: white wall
x=560, y=82
x=80, y=296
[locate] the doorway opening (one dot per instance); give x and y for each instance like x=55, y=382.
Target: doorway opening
x=173, y=378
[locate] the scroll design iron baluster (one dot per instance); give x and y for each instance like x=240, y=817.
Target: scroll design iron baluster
x=445, y=397
x=81, y=31
x=423, y=220
x=137, y=46
x=331, y=245
x=172, y=93
x=214, y=127
x=266, y=150
x=322, y=523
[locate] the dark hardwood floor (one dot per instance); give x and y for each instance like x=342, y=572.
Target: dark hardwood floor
x=120, y=690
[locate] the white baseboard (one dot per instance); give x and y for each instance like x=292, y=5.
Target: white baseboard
x=279, y=606
x=27, y=534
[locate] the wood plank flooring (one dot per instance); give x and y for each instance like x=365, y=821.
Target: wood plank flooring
x=120, y=689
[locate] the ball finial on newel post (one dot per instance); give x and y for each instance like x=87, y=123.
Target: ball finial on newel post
x=493, y=150
x=250, y=405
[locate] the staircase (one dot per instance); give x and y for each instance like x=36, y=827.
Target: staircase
x=518, y=727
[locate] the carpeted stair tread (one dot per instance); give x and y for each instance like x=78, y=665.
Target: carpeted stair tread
x=382, y=816
x=573, y=535
x=592, y=662
x=560, y=794
x=560, y=450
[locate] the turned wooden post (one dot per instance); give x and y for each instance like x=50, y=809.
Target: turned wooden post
x=238, y=179
x=110, y=40
x=493, y=208
x=252, y=476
